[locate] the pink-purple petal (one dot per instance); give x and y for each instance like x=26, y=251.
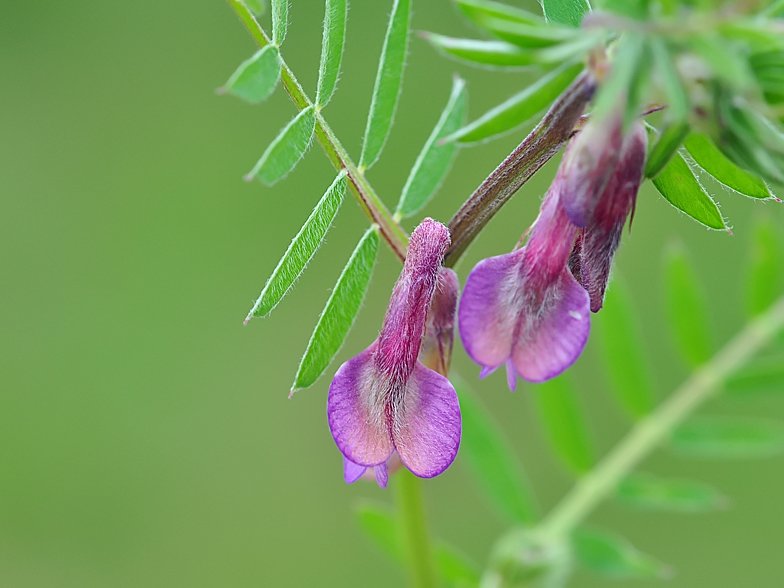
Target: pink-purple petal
x=427, y=423
x=382, y=475
x=550, y=341
x=352, y=471
x=489, y=307
x=356, y=411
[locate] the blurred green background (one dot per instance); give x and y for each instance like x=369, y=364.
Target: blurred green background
x=146, y=438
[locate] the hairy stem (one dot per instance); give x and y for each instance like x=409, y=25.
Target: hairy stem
x=413, y=526
x=652, y=430
x=374, y=208
x=537, y=148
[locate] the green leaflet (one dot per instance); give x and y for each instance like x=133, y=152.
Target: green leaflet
x=712, y=160
x=339, y=313
x=625, y=86
x=498, y=54
x=435, y=159
x=301, y=250
x=332, y=43
x=286, y=149
x=726, y=62
x=566, y=12
x=529, y=36
x=686, y=308
x=379, y=525
x=665, y=147
x=481, y=10
x=256, y=78
x=765, y=268
x=564, y=423
x=611, y=555
x=519, y=108
x=622, y=351
x=651, y=493
x=389, y=78
x=760, y=376
x=491, y=459
x=280, y=20
x=678, y=184
x=729, y=437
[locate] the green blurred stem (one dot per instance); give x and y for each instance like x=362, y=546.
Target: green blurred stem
x=652, y=430
x=413, y=527
x=377, y=212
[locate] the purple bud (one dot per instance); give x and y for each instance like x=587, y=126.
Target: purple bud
x=383, y=400
x=593, y=253
x=440, y=332
x=587, y=166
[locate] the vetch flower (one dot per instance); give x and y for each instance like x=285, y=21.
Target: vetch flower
x=384, y=401
x=525, y=309
x=596, y=245
x=439, y=338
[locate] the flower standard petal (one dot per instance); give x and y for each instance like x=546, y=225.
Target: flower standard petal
x=550, y=340
x=356, y=411
x=489, y=309
x=427, y=423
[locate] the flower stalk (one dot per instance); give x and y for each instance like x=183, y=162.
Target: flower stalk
x=413, y=527
x=650, y=432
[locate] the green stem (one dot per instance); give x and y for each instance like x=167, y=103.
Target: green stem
x=374, y=208
x=413, y=527
x=653, y=429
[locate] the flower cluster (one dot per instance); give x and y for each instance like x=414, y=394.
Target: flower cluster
x=529, y=309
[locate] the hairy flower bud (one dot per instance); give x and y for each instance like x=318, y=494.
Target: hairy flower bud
x=384, y=401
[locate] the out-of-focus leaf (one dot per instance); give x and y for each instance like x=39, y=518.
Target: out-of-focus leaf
x=301, y=250
x=768, y=68
x=479, y=11
x=491, y=459
x=729, y=437
x=454, y=567
x=524, y=557
x=708, y=157
x=622, y=351
x=565, y=12
x=332, y=43
x=564, y=423
x=435, y=159
x=726, y=62
x=389, y=79
x=339, y=313
x=280, y=20
x=686, y=308
x=529, y=36
x=519, y=108
x=765, y=268
x=652, y=493
x=681, y=188
x=379, y=524
x=636, y=9
x=625, y=85
x=484, y=53
x=677, y=99
x=665, y=148
x=760, y=376
x=611, y=555
x=256, y=78
x=286, y=150
x=257, y=7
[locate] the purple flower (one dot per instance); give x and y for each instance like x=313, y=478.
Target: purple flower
x=525, y=309
x=595, y=246
x=384, y=401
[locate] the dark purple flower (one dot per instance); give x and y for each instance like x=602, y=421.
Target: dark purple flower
x=384, y=401
x=595, y=246
x=525, y=309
